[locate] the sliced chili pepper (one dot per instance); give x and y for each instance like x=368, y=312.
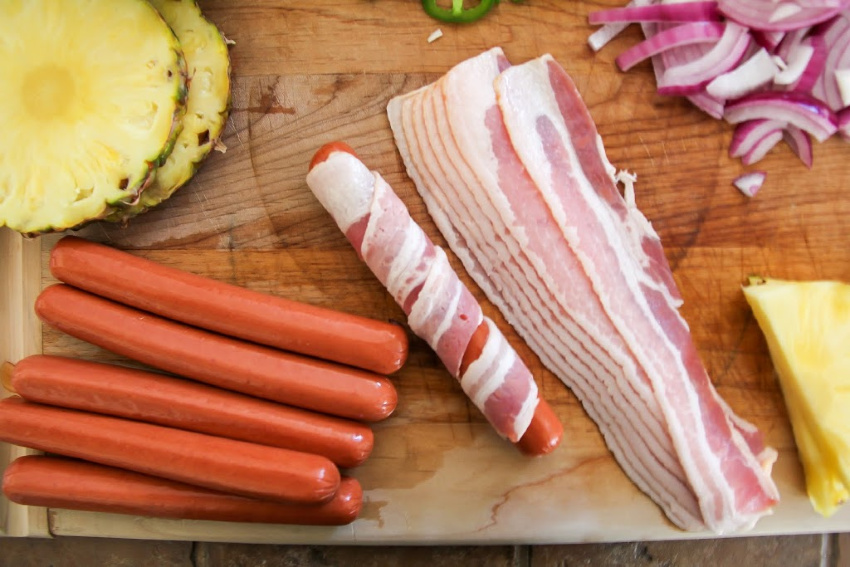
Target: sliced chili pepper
x=457, y=14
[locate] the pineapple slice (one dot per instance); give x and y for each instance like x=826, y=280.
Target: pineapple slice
x=207, y=104
x=92, y=94
x=807, y=326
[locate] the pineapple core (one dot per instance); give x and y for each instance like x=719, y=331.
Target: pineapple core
x=48, y=92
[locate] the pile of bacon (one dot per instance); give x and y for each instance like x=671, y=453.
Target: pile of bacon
x=513, y=172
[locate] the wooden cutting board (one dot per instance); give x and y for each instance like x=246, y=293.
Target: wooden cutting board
x=306, y=73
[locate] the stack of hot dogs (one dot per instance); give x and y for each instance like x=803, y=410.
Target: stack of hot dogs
x=268, y=400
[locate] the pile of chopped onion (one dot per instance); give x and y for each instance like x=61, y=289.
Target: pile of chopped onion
x=777, y=69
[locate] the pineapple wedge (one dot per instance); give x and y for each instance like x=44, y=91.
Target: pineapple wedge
x=92, y=95
x=807, y=327
x=207, y=103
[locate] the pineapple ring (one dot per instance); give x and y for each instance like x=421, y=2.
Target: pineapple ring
x=92, y=95
x=207, y=104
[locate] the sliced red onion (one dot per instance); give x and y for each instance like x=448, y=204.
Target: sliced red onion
x=844, y=124
x=712, y=106
x=684, y=34
x=803, y=46
x=754, y=73
x=779, y=62
x=761, y=147
x=770, y=40
x=841, y=72
x=750, y=183
x=679, y=56
x=834, y=62
x=795, y=66
x=842, y=77
x=723, y=56
x=747, y=135
x=791, y=40
x=606, y=33
x=814, y=68
x=836, y=37
x=799, y=109
x=800, y=143
x=773, y=15
x=678, y=12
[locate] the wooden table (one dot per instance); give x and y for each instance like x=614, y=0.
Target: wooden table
x=306, y=73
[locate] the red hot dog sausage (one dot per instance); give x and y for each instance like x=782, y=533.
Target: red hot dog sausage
x=214, y=359
x=213, y=462
x=184, y=404
x=57, y=482
x=228, y=309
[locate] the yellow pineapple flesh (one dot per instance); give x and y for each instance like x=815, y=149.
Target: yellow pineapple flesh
x=807, y=327
x=92, y=92
x=207, y=102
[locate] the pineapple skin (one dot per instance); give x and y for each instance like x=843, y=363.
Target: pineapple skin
x=140, y=179
x=815, y=379
x=190, y=26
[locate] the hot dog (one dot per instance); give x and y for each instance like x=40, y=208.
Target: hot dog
x=57, y=482
x=439, y=308
x=545, y=431
x=228, y=309
x=214, y=359
x=247, y=469
x=184, y=404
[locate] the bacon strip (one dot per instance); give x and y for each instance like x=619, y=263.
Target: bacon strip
x=440, y=308
x=480, y=241
x=514, y=221
x=722, y=470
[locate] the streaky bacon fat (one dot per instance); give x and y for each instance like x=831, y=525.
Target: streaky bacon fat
x=512, y=169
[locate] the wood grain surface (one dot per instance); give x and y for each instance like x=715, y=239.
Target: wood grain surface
x=306, y=73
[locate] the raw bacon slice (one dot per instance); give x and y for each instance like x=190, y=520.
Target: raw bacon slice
x=726, y=476
x=439, y=307
x=523, y=193
x=432, y=153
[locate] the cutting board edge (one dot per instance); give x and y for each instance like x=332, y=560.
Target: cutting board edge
x=20, y=331
x=18, y=291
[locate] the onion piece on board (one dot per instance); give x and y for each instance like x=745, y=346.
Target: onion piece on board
x=723, y=56
x=773, y=15
x=747, y=134
x=844, y=124
x=800, y=143
x=799, y=109
x=754, y=73
x=803, y=45
x=797, y=63
x=685, y=34
x=761, y=147
x=750, y=183
x=606, y=33
x=675, y=12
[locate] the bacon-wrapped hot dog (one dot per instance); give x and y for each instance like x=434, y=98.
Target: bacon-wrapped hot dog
x=439, y=307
